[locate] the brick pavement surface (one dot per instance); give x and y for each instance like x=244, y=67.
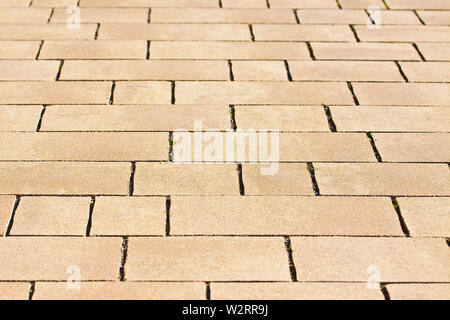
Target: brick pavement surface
x=105, y=106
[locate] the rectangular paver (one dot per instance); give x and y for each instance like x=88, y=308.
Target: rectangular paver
x=6, y=207
x=28, y=70
x=207, y=258
x=19, y=49
x=64, y=178
x=435, y=51
x=419, y=291
x=19, y=118
x=427, y=72
x=47, y=31
x=283, y=215
x=14, y=290
x=150, y=3
x=404, y=34
x=303, y=33
x=104, y=15
x=28, y=15
x=142, y=92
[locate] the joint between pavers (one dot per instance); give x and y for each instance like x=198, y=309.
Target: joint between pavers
x=312, y=173
x=352, y=28
x=252, y=35
x=91, y=212
x=11, y=218
x=123, y=259
x=402, y=73
x=233, y=123
x=289, y=75
x=208, y=290
x=170, y=146
x=31, y=290
x=297, y=19
x=400, y=217
x=149, y=16
x=230, y=67
x=240, y=180
x=131, y=183
x=310, y=49
x=172, y=90
x=111, y=95
x=58, y=75
x=292, y=269
x=147, y=54
x=51, y=15
x=374, y=147
x=168, y=206
x=418, y=17
x=331, y=123
x=384, y=291
x=268, y=4
x=220, y=4
x=96, y=31
x=39, y=50
x=370, y=17
x=418, y=51
x=386, y=5
x=41, y=117
x=350, y=87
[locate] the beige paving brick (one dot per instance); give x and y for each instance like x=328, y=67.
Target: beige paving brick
x=244, y=3
x=414, y=147
x=293, y=291
x=419, y=291
x=344, y=70
x=289, y=179
x=260, y=70
x=262, y=93
x=426, y=216
x=28, y=15
x=14, y=3
x=435, y=17
x=142, y=92
x=220, y=15
x=417, y=4
x=6, y=207
x=309, y=4
x=435, y=51
x=54, y=92
x=19, y=118
x=404, y=34
x=282, y=118
x=361, y=4
x=28, y=70
x=332, y=16
x=54, y=3
x=357, y=259
x=382, y=179
x=64, y=178
x=121, y=291
x=151, y=3
x=397, y=94
x=228, y=50
x=390, y=17
x=282, y=215
x=92, y=146
x=18, y=49
x=56, y=258
x=104, y=15
x=145, y=70
x=47, y=32
x=153, y=31
x=390, y=118
x=129, y=216
x=364, y=51
x=55, y=216
x=207, y=258
x=186, y=179
x=427, y=72
x=302, y=33
x=137, y=118
x=14, y=290
x=94, y=49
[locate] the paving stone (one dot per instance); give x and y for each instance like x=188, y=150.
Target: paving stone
x=14, y=3
x=283, y=215
x=220, y=15
x=28, y=70
x=93, y=50
x=400, y=94
x=404, y=34
x=419, y=291
x=142, y=92
x=14, y=290
x=54, y=92
x=228, y=50
x=145, y=70
x=56, y=258
x=104, y=15
x=207, y=259
x=136, y=118
x=427, y=71
x=55, y=216
x=18, y=49
x=286, y=179
x=344, y=71
x=413, y=147
x=383, y=179
x=435, y=17
x=376, y=118
x=364, y=51
x=309, y=4
x=429, y=217
x=332, y=16
x=244, y=3
x=391, y=17
x=260, y=70
x=47, y=32
x=293, y=291
x=363, y=259
x=19, y=118
x=417, y=4
x=302, y=33
x=129, y=216
x=63, y=178
x=121, y=291
x=435, y=51
x=186, y=179
x=262, y=93
x=282, y=118
x=28, y=15
x=361, y=4
x=150, y=3
x=166, y=31
x=54, y=3
x=6, y=207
